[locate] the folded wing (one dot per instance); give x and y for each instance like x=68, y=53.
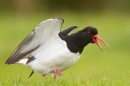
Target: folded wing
x=67, y=31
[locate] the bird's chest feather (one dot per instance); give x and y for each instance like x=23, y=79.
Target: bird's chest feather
x=66, y=60
x=57, y=57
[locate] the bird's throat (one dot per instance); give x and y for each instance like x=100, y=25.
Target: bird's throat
x=75, y=45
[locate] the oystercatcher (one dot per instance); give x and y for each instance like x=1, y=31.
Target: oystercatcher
x=50, y=50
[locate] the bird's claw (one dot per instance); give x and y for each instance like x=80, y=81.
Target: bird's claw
x=44, y=75
x=56, y=71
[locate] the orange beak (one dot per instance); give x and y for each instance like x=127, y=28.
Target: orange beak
x=95, y=40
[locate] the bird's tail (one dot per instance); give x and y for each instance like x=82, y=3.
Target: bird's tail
x=23, y=62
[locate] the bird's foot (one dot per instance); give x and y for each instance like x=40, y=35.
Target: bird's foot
x=56, y=71
x=55, y=78
x=44, y=75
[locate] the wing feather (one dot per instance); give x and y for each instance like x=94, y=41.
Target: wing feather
x=66, y=32
x=46, y=29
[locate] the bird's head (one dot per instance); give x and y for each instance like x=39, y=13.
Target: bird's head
x=92, y=34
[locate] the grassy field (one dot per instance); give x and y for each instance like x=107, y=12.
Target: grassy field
x=70, y=80
x=93, y=69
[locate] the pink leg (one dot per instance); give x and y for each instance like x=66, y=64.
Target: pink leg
x=44, y=75
x=57, y=71
x=54, y=77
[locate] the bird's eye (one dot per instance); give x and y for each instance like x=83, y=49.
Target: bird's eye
x=89, y=31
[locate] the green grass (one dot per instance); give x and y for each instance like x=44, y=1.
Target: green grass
x=38, y=81
x=93, y=69
x=70, y=80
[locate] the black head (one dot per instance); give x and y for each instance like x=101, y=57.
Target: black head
x=91, y=30
x=91, y=33
x=77, y=41
x=88, y=33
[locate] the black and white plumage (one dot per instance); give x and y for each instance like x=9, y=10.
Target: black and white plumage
x=50, y=50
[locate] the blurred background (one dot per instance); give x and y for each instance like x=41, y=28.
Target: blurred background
x=111, y=17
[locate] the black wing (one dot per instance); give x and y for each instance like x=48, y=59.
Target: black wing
x=65, y=33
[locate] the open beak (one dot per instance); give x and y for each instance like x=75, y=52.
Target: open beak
x=95, y=40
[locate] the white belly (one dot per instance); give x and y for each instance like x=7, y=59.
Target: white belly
x=60, y=58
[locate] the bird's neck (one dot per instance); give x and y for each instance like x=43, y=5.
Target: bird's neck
x=76, y=43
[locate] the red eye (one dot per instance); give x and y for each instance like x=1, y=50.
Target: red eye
x=89, y=31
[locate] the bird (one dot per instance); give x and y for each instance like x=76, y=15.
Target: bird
x=48, y=50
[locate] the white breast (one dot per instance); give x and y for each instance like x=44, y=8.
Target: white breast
x=57, y=55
